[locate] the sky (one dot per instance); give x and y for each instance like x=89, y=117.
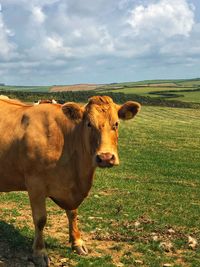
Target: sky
x=54, y=42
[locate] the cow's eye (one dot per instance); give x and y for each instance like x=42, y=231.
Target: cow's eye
x=115, y=126
x=89, y=124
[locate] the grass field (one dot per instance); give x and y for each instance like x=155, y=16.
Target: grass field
x=26, y=88
x=189, y=83
x=193, y=96
x=174, y=90
x=138, y=214
x=144, y=90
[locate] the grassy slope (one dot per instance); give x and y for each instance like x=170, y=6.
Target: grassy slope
x=155, y=188
x=185, y=96
x=143, y=88
x=189, y=96
x=189, y=83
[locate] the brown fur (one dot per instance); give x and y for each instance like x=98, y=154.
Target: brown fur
x=51, y=151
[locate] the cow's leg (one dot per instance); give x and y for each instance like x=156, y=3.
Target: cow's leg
x=74, y=233
x=38, y=206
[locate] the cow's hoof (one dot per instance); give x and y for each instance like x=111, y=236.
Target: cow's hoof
x=81, y=250
x=41, y=260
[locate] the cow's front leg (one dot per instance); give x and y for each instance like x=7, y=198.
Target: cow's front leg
x=37, y=201
x=74, y=233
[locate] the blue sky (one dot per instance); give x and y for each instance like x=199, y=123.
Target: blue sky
x=46, y=42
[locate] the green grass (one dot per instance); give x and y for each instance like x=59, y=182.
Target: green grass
x=170, y=82
x=181, y=90
x=143, y=90
x=181, y=93
x=189, y=82
x=44, y=89
x=157, y=185
x=189, y=96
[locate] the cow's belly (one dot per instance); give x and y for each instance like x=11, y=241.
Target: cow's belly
x=11, y=182
x=68, y=198
x=66, y=192
x=67, y=204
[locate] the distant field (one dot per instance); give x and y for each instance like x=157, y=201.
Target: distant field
x=74, y=87
x=174, y=90
x=192, y=83
x=188, y=96
x=134, y=210
x=142, y=90
x=181, y=90
x=26, y=88
x=151, y=82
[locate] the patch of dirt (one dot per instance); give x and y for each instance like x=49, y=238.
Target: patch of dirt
x=15, y=247
x=9, y=206
x=114, y=249
x=109, y=192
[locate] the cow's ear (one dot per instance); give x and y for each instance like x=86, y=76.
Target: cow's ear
x=73, y=111
x=128, y=110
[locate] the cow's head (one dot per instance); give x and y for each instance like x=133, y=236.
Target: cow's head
x=99, y=121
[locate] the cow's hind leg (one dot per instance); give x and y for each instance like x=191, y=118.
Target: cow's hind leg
x=74, y=233
x=38, y=205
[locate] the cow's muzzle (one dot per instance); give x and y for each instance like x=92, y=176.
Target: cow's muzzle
x=104, y=160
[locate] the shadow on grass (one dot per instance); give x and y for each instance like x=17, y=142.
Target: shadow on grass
x=14, y=246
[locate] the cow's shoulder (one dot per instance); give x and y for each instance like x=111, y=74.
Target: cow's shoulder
x=43, y=138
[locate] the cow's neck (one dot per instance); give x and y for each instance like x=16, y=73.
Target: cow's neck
x=81, y=161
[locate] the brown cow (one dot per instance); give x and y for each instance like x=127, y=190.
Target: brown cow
x=53, y=151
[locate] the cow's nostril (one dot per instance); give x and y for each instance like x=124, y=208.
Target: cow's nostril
x=105, y=158
x=98, y=159
x=113, y=157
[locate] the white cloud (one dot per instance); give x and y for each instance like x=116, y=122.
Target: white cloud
x=166, y=18
x=38, y=15
x=105, y=39
x=123, y=4
x=183, y=47
x=61, y=36
x=77, y=33
x=6, y=47
x=29, y=3
x=54, y=44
